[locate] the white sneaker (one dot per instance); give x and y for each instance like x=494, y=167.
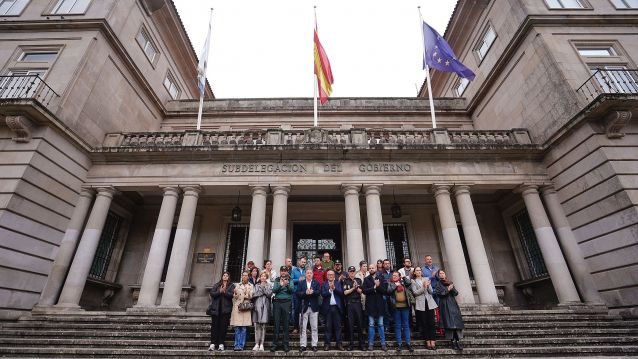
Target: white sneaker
x=221, y=347
x=261, y=348
x=256, y=347
x=211, y=348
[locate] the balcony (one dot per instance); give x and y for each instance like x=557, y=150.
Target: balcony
x=610, y=81
x=26, y=87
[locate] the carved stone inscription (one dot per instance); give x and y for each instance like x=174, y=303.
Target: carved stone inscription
x=315, y=168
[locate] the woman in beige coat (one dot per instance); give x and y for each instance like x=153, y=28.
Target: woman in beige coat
x=241, y=320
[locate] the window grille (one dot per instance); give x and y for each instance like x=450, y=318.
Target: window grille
x=236, y=247
x=316, y=239
x=106, y=245
x=396, y=244
x=530, y=247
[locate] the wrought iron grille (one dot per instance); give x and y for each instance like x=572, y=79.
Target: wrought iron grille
x=236, y=247
x=396, y=243
x=106, y=245
x=531, y=250
x=14, y=87
x=316, y=239
x=610, y=81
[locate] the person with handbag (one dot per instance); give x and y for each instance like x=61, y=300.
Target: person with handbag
x=220, y=309
x=261, y=312
x=451, y=318
x=400, y=303
x=424, y=307
x=241, y=317
x=282, y=306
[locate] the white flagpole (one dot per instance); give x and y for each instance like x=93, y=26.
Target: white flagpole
x=201, y=95
x=427, y=71
x=315, y=82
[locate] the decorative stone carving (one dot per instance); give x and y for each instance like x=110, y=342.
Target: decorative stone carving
x=21, y=127
x=614, y=123
x=315, y=135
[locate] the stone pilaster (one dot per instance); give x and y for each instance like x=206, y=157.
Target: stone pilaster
x=376, y=237
x=354, y=235
x=257, y=229
x=279, y=225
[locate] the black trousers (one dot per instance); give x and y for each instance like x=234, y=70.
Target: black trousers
x=333, y=325
x=281, y=312
x=355, y=317
x=425, y=323
x=218, y=327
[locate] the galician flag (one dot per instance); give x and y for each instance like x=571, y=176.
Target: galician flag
x=439, y=55
x=203, y=62
x=322, y=70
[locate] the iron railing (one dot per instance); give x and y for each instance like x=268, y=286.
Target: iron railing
x=610, y=81
x=24, y=87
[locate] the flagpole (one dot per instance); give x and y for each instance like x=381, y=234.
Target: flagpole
x=427, y=71
x=315, y=80
x=201, y=95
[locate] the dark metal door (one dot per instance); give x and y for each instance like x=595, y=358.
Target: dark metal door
x=313, y=239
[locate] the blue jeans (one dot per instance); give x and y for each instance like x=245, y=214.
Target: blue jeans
x=402, y=324
x=240, y=337
x=371, y=323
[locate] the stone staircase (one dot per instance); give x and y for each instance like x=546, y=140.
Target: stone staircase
x=495, y=333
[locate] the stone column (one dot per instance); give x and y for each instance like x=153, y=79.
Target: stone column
x=67, y=247
x=181, y=245
x=256, y=231
x=475, y=247
x=81, y=266
x=354, y=236
x=580, y=271
x=552, y=255
x=279, y=224
x=159, y=246
x=376, y=237
x=456, y=267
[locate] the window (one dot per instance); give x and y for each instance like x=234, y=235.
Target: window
x=38, y=56
x=529, y=245
x=486, y=42
x=565, y=4
x=12, y=7
x=149, y=49
x=236, y=247
x=597, y=52
x=461, y=86
x=171, y=87
x=71, y=6
x=107, y=243
x=625, y=4
x=396, y=243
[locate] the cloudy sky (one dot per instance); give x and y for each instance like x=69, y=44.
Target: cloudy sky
x=264, y=48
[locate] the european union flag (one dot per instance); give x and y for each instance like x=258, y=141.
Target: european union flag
x=439, y=55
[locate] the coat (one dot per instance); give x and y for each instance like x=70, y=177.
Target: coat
x=448, y=308
x=309, y=300
x=325, y=293
x=392, y=288
x=237, y=318
x=423, y=296
x=375, y=304
x=261, y=298
x=219, y=301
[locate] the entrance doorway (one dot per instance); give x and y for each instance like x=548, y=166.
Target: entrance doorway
x=313, y=239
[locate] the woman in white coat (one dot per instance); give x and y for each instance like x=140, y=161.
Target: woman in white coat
x=424, y=309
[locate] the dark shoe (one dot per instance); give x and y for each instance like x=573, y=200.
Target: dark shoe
x=314, y=349
x=455, y=345
x=273, y=348
x=340, y=347
x=384, y=348
x=286, y=349
x=410, y=349
x=326, y=347
x=362, y=347
x=458, y=346
x=399, y=348
x=349, y=348
x=236, y=349
x=302, y=349
x=370, y=348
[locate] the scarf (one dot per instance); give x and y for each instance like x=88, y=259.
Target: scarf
x=400, y=287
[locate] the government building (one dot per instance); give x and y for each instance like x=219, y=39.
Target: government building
x=111, y=200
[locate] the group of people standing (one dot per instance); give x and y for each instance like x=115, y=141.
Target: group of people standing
x=372, y=296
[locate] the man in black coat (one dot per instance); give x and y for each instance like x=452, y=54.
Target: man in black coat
x=332, y=292
x=375, y=287
x=352, y=290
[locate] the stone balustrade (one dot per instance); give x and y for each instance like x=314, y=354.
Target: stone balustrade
x=309, y=138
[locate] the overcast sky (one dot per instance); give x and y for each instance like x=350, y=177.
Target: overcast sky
x=264, y=48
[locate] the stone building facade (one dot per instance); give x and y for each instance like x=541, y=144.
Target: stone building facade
x=111, y=200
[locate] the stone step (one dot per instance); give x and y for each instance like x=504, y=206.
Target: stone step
x=198, y=344
x=52, y=352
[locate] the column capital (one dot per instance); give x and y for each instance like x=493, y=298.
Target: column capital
x=169, y=190
x=349, y=189
x=548, y=189
x=527, y=188
x=281, y=189
x=106, y=191
x=441, y=188
x=191, y=190
x=372, y=189
x=259, y=189
x=87, y=192
x=462, y=189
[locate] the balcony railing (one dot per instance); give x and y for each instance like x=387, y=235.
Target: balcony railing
x=26, y=87
x=610, y=81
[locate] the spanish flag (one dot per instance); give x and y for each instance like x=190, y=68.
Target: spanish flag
x=322, y=70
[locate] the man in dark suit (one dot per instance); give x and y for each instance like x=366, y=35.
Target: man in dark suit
x=308, y=291
x=332, y=293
